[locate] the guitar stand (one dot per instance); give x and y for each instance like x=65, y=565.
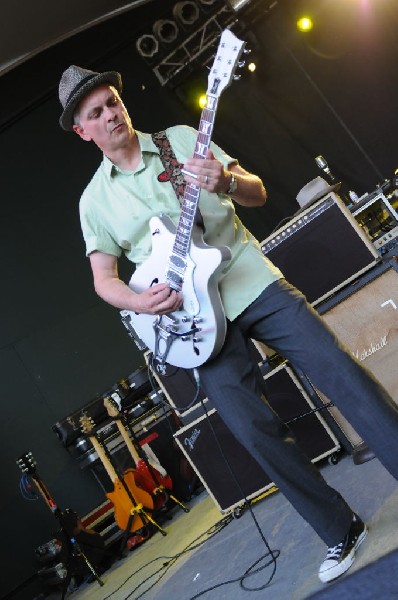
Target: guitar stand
x=160, y=489
x=137, y=509
x=74, y=554
x=27, y=464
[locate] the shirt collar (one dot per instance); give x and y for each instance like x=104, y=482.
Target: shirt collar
x=146, y=145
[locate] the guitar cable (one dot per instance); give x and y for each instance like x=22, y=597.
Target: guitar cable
x=170, y=560
x=27, y=489
x=272, y=554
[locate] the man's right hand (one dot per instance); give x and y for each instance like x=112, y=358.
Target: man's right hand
x=158, y=300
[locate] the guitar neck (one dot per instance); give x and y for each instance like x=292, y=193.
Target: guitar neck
x=192, y=192
x=103, y=458
x=132, y=449
x=44, y=493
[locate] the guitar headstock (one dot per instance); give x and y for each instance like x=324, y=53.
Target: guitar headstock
x=111, y=406
x=87, y=424
x=230, y=49
x=27, y=463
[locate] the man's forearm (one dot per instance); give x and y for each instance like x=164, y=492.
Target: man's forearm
x=115, y=292
x=250, y=190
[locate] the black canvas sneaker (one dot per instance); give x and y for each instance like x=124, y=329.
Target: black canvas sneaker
x=340, y=558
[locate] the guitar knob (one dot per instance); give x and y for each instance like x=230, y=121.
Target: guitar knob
x=186, y=319
x=197, y=338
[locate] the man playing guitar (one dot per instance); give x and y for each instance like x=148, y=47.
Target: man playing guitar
x=127, y=191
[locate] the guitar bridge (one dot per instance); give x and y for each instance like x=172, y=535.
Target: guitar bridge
x=166, y=332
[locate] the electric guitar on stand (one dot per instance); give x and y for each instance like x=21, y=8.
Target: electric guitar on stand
x=146, y=474
x=28, y=466
x=132, y=504
x=192, y=335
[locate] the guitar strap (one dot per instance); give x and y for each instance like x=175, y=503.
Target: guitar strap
x=173, y=170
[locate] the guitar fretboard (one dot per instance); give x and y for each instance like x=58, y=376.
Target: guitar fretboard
x=192, y=192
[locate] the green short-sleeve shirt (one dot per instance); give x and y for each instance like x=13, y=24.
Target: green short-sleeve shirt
x=116, y=206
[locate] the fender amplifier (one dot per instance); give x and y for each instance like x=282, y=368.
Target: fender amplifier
x=208, y=443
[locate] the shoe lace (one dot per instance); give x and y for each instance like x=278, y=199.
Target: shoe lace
x=334, y=551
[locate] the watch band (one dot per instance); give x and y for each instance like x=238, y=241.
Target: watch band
x=233, y=184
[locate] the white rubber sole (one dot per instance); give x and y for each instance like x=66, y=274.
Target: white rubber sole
x=338, y=569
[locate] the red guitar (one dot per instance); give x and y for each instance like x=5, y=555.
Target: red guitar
x=148, y=477
x=127, y=497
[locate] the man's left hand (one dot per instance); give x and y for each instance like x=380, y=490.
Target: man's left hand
x=207, y=173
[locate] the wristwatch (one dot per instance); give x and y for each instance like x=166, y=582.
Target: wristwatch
x=233, y=184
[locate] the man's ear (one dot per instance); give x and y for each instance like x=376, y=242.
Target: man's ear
x=81, y=133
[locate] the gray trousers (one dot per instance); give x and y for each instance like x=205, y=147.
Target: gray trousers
x=283, y=320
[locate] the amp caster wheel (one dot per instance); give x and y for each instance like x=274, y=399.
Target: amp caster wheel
x=333, y=459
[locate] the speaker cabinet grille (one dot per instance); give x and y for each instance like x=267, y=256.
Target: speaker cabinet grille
x=321, y=249
x=367, y=323
x=196, y=440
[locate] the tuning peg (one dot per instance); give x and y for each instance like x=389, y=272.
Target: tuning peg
x=237, y=77
x=247, y=51
x=22, y=465
x=241, y=64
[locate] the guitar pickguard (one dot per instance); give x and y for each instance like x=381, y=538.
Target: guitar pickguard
x=188, y=337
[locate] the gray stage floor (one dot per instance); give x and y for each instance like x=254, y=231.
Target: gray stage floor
x=227, y=554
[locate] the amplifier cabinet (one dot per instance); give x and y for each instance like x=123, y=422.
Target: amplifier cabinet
x=366, y=321
x=181, y=390
x=321, y=249
x=287, y=397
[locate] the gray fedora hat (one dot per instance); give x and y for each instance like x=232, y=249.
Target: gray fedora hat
x=75, y=84
x=315, y=190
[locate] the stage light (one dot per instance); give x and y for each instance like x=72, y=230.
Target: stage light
x=202, y=100
x=186, y=13
x=166, y=31
x=251, y=67
x=147, y=45
x=183, y=38
x=305, y=24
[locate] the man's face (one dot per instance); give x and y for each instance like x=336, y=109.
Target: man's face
x=103, y=118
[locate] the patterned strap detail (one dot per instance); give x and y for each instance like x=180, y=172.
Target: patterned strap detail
x=170, y=163
x=173, y=170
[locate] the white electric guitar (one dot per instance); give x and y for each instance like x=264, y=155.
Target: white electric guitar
x=192, y=335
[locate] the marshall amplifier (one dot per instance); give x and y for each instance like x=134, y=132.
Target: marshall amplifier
x=321, y=249
x=365, y=319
